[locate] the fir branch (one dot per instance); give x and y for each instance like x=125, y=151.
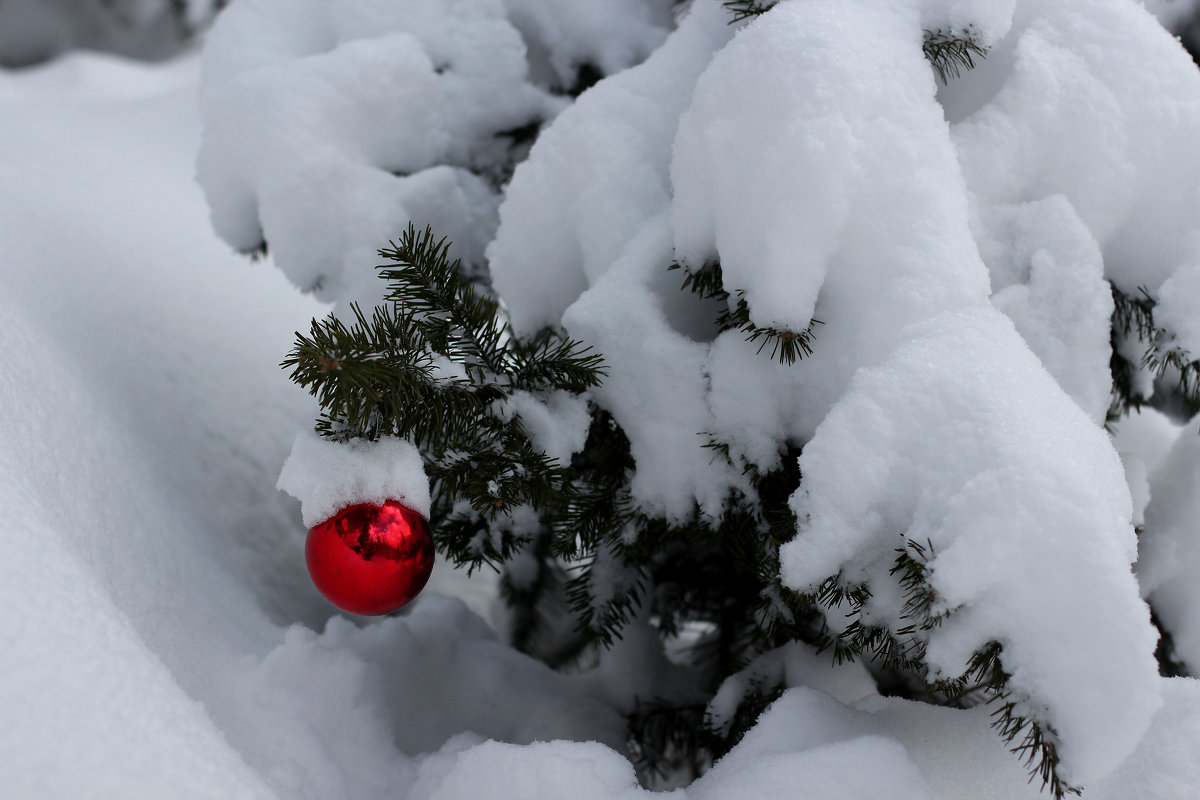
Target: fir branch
x=1170, y=665
x=1133, y=315
x=745, y=9
x=1163, y=360
x=911, y=570
x=786, y=345
x=758, y=696
x=456, y=320
x=499, y=476
x=550, y=360
x=437, y=364
x=468, y=539
x=600, y=507
x=903, y=650
x=1035, y=742
x=361, y=372
x=605, y=592
x=596, y=512
x=670, y=740
x=951, y=53
x=533, y=585
x=256, y=253
x=394, y=373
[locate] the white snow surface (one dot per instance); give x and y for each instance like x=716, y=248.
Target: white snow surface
x=327, y=476
x=162, y=638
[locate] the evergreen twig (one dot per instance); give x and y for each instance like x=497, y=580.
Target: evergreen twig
x=903, y=649
x=1133, y=316
x=786, y=345
x=745, y=9
x=436, y=365
x=951, y=53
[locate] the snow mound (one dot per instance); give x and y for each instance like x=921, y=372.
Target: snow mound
x=163, y=628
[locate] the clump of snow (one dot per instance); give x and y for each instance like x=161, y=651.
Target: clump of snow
x=329, y=127
x=1093, y=101
x=325, y=138
x=583, y=770
x=569, y=222
x=565, y=219
x=557, y=423
x=807, y=732
x=932, y=446
x=793, y=664
x=1059, y=299
x=290, y=157
x=774, y=243
x=327, y=476
x=561, y=36
x=656, y=383
x=423, y=678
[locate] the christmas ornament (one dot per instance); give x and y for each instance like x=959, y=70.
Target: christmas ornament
x=369, y=559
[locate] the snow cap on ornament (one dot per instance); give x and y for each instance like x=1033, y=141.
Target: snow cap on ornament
x=369, y=548
x=327, y=476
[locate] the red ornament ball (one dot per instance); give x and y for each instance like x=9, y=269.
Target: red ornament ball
x=370, y=559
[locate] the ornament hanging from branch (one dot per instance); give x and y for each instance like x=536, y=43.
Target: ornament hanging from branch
x=370, y=559
x=366, y=504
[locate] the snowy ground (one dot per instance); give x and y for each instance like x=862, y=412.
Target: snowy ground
x=159, y=637
x=150, y=565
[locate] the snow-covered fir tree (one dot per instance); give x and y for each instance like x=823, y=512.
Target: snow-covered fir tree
x=771, y=346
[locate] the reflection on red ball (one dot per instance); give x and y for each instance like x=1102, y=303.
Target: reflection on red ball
x=370, y=559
